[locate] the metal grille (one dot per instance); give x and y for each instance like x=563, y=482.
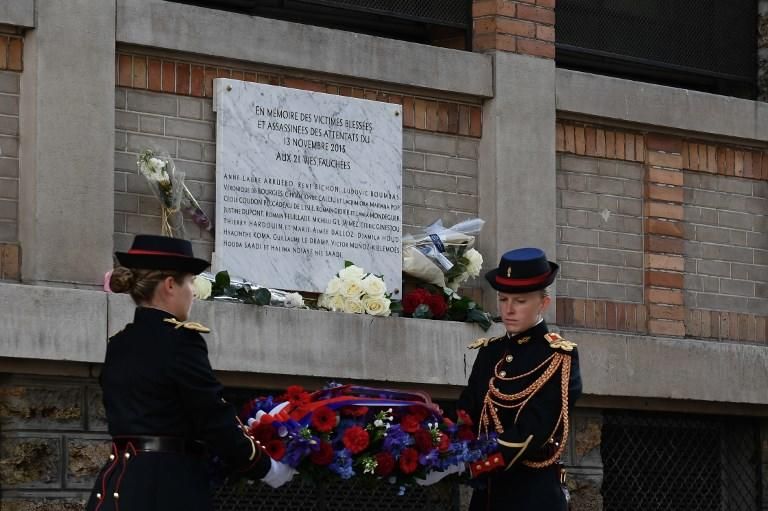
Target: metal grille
x=351, y=495
x=716, y=39
x=673, y=462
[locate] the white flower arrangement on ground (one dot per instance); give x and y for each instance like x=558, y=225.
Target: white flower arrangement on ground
x=355, y=291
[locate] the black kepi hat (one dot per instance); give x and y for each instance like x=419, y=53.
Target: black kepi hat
x=522, y=270
x=150, y=252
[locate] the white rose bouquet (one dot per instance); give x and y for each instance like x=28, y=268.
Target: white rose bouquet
x=355, y=291
x=167, y=185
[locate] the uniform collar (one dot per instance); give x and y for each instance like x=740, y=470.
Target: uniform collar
x=537, y=330
x=144, y=314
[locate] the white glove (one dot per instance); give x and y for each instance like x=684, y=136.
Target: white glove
x=279, y=474
x=437, y=475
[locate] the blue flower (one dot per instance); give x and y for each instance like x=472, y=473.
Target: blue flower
x=342, y=464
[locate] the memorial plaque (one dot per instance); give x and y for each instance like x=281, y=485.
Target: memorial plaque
x=305, y=181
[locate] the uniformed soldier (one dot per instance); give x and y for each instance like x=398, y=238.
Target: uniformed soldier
x=521, y=387
x=163, y=403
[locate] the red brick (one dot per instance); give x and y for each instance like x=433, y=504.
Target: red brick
x=515, y=27
x=475, y=121
x=483, y=8
x=223, y=72
x=667, y=296
x=705, y=324
x=656, y=158
x=198, y=81
x=537, y=14
x=589, y=314
x=432, y=121
x=693, y=156
x=442, y=117
x=721, y=160
x=409, y=111
x=536, y=48
x=765, y=165
x=580, y=140
x=599, y=314
x=610, y=144
x=665, y=262
x=630, y=317
x=10, y=261
x=545, y=33
x=600, y=142
x=182, y=78
x=546, y=3
x=421, y=114
x=747, y=164
x=169, y=77
x=483, y=26
x=660, y=245
x=738, y=168
x=620, y=147
x=666, y=143
x=578, y=312
x=453, y=118
x=667, y=177
x=463, y=119
x=486, y=41
x=663, y=210
x=208, y=76
x=559, y=137
x=757, y=162
x=664, y=327
x=15, y=54
x=238, y=75
x=673, y=312
x=139, y=72
x=506, y=42
x=3, y=52
x=761, y=329
x=665, y=193
x=370, y=95
x=155, y=75
x=730, y=161
x=610, y=316
x=125, y=71
x=591, y=136
x=560, y=311
x=664, y=228
x=639, y=148
x=570, y=138
x=664, y=279
x=711, y=159
x=249, y=77
x=629, y=149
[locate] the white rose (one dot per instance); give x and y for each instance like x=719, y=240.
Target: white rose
x=352, y=289
x=334, y=286
x=374, y=286
x=294, y=300
x=475, y=262
x=156, y=164
x=202, y=287
x=377, y=306
x=322, y=301
x=335, y=302
x=352, y=274
x=354, y=306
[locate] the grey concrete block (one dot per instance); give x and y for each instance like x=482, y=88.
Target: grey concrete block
x=756, y=206
x=633, y=259
x=230, y=35
x=699, y=215
x=582, y=271
x=717, y=268
x=197, y=171
x=9, y=104
x=9, y=188
x=577, y=183
x=189, y=129
x=121, y=98
x=692, y=282
x=9, y=146
x=606, y=256
x=9, y=230
x=435, y=163
x=622, y=241
x=602, y=184
x=137, y=143
x=466, y=185
x=9, y=82
x=576, y=217
x=126, y=161
x=9, y=209
x=608, y=203
x=438, y=144
x=141, y=224
x=634, y=189
x=121, y=141
x=9, y=125
x=575, y=235
x=137, y=184
x=467, y=148
x=632, y=225
x=632, y=207
x=608, y=273
x=711, y=234
x=190, y=108
x=579, y=200
x=630, y=276
x=126, y=121
x=721, y=302
x=119, y=222
x=152, y=124
x=600, y=290
x=578, y=289
x=761, y=291
x=583, y=164
x=635, y=294
x=726, y=253
x=120, y=182
x=627, y=170
x=710, y=284
x=408, y=139
x=736, y=220
x=735, y=185
x=757, y=240
x=413, y=160
x=737, y=287
x=152, y=103
x=126, y=203
x=190, y=150
x=462, y=166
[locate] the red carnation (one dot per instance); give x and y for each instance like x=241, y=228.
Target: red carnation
x=437, y=305
x=410, y=423
x=464, y=418
x=296, y=395
x=414, y=299
x=465, y=433
x=409, y=460
x=444, y=443
x=263, y=432
x=355, y=439
x=385, y=464
x=419, y=412
x=324, y=419
x=266, y=419
x=423, y=439
x=276, y=449
x=323, y=456
x=354, y=411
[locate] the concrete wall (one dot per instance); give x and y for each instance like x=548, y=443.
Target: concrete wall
x=9, y=155
x=600, y=228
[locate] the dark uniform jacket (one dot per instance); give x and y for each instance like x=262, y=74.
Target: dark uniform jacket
x=532, y=433
x=157, y=381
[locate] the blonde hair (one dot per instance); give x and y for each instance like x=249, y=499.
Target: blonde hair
x=140, y=284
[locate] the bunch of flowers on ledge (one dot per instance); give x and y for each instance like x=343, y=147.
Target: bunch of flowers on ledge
x=430, y=302
x=350, y=431
x=222, y=287
x=356, y=291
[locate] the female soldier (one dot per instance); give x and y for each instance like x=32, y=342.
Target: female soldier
x=163, y=403
x=521, y=387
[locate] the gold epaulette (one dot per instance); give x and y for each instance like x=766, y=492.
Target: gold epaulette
x=189, y=325
x=483, y=342
x=556, y=342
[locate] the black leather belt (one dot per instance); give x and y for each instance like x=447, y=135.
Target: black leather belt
x=145, y=443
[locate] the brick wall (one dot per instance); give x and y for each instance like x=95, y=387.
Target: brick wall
x=600, y=228
x=440, y=144
x=11, y=50
x=53, y=441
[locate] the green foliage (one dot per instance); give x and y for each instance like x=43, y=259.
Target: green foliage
x=222, y=286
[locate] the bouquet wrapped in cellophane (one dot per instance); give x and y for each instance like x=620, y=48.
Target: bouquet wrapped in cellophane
x=350, y=431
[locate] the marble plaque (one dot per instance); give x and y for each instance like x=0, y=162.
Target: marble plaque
x=305, y=181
